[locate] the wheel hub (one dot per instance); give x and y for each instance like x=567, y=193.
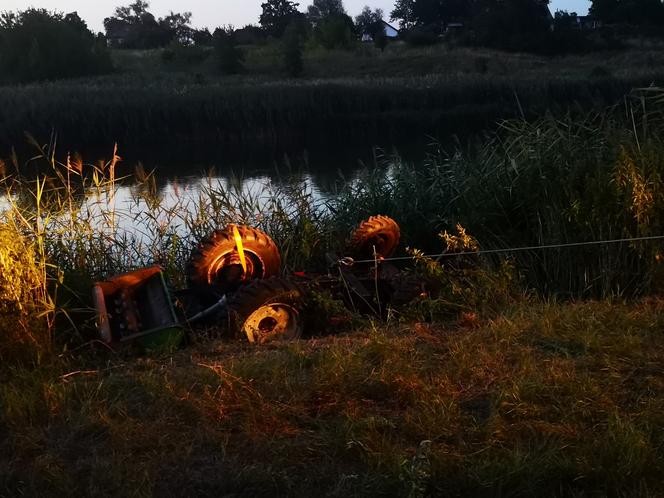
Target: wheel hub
x=227, y=268
x=272, y=321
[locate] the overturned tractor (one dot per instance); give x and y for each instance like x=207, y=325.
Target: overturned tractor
x=234, y=280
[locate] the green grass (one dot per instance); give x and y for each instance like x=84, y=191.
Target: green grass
x=546, y=399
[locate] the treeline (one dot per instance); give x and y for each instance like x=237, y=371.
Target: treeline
x=521, y=25
x=40, y=45
x=37, y=45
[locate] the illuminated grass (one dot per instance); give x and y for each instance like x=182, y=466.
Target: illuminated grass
x=548, y=399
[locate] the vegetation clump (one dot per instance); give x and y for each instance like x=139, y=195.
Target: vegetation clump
x=230, y=57
x=24, y=300
x=36, y=44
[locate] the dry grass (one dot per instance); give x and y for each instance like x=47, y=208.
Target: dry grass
x=25, y=304
x=548, y=399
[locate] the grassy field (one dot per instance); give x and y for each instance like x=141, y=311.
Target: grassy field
x=401, y=60
x=544, y=399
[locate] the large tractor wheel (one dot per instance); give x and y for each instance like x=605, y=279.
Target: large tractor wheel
x=381, y=233
x=267, y=310
x=216, y=261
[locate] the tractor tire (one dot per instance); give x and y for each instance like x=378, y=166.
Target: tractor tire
x=379, y=232
x=216, y=262
x=267, y=310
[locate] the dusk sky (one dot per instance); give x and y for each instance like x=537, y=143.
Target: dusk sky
x=208, y=13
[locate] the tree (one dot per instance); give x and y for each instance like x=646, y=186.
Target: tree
x=404, y=13
x=36, y=44
x=133, y=26
x=335, y=31
x=322, y=9
x=369, y=22
x=638, y=12
x=564, y=21
x=332, y=27
x=249, y=35
x=277, y=15
x=177, y=26
x=441, y=12
x=513, y=24
x=292, y=50
x=229, y=55
x=202, y=37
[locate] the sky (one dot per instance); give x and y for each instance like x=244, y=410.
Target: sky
x=213, y=13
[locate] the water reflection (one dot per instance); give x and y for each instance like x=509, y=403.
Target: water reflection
x=180, y=198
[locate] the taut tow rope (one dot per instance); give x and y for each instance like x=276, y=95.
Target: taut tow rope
x=517, y=249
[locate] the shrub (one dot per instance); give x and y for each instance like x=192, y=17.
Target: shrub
x=40, y=45
x=422, y=36
x=184, y=55
x=335, y=32
x=229, y=55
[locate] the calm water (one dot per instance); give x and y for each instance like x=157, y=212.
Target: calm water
x=183, y=178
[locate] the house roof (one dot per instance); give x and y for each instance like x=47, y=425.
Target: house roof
x=390, y=26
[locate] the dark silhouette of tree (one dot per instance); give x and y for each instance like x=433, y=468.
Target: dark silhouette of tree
x=369, y=22
x=513, y=24
x=332, y=27
x=564, y=21
x=404, y=13
x=436, y=13
x=202, y=37
x=250, y=35
x=133, y=26
x=229, y=55
x=321, y=9
x=177, y=25
x=36, y=44
x=277, y=15
x=335, y=31
x=637, y=12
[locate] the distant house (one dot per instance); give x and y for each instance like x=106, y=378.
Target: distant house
x=390, y=31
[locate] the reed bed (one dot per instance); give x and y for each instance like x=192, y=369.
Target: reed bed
x=542, y=182
x=160, y=108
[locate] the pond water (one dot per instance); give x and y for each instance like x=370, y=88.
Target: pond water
x=191, y=184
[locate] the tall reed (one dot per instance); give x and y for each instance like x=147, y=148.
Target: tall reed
x=140, y=109
x=547, y=181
